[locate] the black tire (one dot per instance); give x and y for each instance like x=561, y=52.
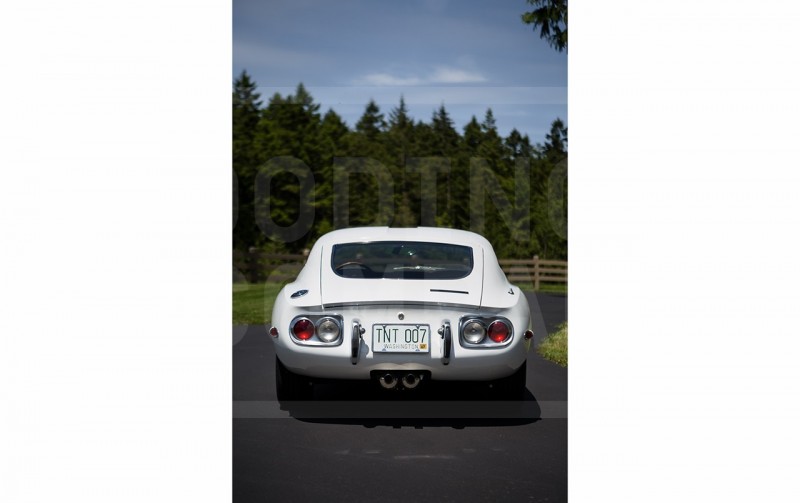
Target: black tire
x=511, y=387
x=290, y=386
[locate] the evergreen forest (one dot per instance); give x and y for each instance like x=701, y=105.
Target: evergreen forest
x=299, y=173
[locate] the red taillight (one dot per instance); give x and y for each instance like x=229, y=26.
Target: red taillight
x=303, y=329
x=498, y=331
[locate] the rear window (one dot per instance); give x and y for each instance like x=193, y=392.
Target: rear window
x=401, y=260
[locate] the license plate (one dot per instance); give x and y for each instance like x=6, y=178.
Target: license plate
x=401, y=338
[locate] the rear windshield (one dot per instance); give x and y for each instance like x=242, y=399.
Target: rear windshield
x=401, y=260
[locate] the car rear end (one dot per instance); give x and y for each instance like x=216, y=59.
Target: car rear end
x=401, y=306
x=429, y=341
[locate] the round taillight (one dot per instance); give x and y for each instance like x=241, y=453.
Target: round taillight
x=273, y=332
x=498, y=331
x=303, y=329
x=328, y=330
x=474, y=332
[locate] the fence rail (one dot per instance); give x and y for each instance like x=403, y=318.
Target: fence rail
x=256, y=266
x=535, y=271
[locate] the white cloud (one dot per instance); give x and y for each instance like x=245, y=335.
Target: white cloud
x=434, y=95
x=440, y=75
x=448, y=75
x=384, y=79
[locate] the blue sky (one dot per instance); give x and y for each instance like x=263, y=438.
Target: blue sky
x=469, y=55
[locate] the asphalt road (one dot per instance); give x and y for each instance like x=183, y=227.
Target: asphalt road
x=356, y=443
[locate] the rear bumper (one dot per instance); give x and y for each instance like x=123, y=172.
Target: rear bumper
x=464, y=364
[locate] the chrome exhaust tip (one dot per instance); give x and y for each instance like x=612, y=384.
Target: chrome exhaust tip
x=410, y=381
x=388, y=381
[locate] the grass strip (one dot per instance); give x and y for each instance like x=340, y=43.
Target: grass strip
x=554, y=346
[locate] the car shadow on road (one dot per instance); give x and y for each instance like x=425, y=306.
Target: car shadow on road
x=455, y=405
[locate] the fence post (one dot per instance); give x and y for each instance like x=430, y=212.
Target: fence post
x=536, y=273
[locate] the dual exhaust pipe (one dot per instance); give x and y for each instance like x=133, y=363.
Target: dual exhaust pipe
x=391, y=381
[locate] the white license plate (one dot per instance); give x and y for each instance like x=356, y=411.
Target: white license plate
x=404, y=338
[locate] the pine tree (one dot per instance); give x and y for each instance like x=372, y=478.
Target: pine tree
x=332, y=135
x=555, y=146
x=445, y=137
x=405, y=170
x=399, y=119
x=491, y=146
x=473, y=136
x=246, y=114
x=371, y=123
x=364, y=171
x=519, y=146
x=288, y=134
x=400, y=133
x=489, y=125
x=550, y=16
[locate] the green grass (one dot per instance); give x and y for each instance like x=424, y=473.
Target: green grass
x=553, y=288
x=554, y=346
x=252, y=304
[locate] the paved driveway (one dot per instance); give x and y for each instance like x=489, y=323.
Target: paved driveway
x=441, y=445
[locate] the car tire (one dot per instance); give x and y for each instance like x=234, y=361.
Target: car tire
x=290, y=386
x=511, y=387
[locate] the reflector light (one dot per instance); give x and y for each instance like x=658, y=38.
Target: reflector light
x=328, y=330
x=303, y=329
x=474, y=332
x=498, y=331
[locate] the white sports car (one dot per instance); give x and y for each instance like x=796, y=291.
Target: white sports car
x=401, y=306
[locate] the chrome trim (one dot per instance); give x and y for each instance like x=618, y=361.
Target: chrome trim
x=442, y=290
x=448, y=343
x=355, y=342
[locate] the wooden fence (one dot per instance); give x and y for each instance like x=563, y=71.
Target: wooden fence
x=534, y=271
x=256, y=266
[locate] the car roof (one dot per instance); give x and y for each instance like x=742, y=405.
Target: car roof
x=487, y=283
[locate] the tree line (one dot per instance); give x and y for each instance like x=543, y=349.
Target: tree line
x=300, y=173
